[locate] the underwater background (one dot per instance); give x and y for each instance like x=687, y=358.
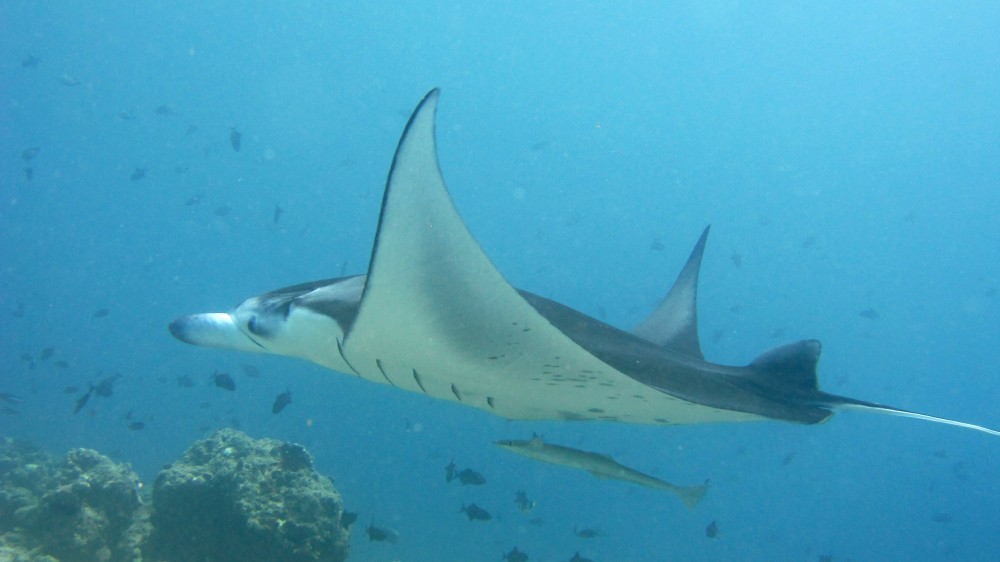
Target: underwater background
x=846, y=154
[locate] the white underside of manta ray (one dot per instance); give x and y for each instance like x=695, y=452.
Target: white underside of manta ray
x=434, y=316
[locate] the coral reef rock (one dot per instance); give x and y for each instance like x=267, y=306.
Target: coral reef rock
x=232, y=498
x=83, y=508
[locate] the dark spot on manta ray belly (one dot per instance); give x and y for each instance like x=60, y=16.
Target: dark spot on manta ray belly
x=454, y=390
x=489, y=400
x=416, y=377
x=378, y=363
x=595, y=410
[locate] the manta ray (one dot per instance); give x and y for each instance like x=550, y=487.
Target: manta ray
x=433, y=315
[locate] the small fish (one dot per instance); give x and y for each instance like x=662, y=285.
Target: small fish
x=101, y=312
x=192, y=129
x=868, y=313
x=61, y=364
x=469, y=477
x=222, y=211
x=809, y=242
x=381, y=534
x=450, y=472
x=250, y=371
x=29, y=174
x=126, y=115
x=46, y=353
x=825, y=558
x=656, y=245
x=942, y=518
x=277, y=213
x=138, y=174
x=235, y=139
x=67, y=80
x=540, y=145
x=586, y=533
x=106, y=386
x=788, y=459
x=10, y=398
x=224, y=381
x=712, y=530
x=82, y=401
x=348, y=518
x=577, y=558
x=737, y=260
x=30, y=152
x=185, y=381
x=136, y=425
x=193, y=200
x=165, y=110
x=30, y=61
x=283, y=399
x=958, y=471
x=523, y=502
x=71, y=389
x=475, y=513
x=515, y=555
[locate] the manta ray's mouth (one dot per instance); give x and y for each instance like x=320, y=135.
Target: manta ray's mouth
x=213, y=329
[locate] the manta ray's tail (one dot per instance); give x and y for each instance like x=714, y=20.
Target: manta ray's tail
x=851, y=404
x=791, y=369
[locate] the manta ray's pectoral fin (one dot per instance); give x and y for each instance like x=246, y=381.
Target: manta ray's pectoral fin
x=437, y=317
x=674, y=323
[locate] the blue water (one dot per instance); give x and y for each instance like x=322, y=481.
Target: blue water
x=846, y=155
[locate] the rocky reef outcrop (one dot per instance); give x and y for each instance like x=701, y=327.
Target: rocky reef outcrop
x=232, y=498
x=82, y=507
x=228, y=498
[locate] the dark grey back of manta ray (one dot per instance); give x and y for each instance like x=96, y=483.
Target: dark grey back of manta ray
x=435, y=316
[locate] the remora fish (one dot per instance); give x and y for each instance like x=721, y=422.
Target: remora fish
x=600, y=465
x=434, y=316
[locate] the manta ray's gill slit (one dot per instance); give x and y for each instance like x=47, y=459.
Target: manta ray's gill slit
x=416, y=377
x=340, y=350
x=454, y=390
x=378, y=363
